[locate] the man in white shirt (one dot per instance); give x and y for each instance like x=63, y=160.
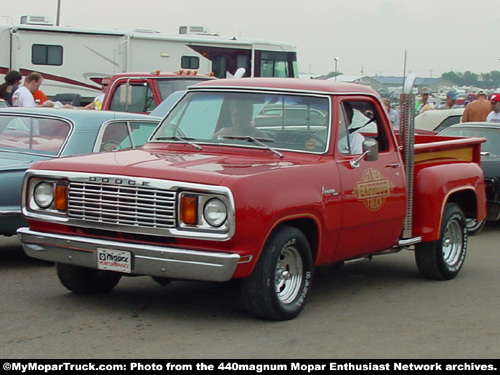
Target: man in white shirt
x=23, y=96
x=494, y=115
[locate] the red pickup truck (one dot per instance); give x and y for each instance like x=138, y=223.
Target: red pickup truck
x=260, y=180
x=142, y=92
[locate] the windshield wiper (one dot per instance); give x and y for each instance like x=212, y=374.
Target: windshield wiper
x=182, y=139
x=259, y=141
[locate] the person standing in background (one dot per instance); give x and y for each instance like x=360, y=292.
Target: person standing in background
x=11, y=84
x=478, y=110
x=393, y=115
x=451, y=99
x=494, y=115
x=424, y=104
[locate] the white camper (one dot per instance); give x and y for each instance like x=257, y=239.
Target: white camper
x=74, y=60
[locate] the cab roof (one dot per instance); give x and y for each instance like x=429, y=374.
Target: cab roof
x=287, y=84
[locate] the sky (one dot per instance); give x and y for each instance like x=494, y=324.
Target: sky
x=369, y=37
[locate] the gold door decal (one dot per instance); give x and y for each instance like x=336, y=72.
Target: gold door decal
x=373, y=189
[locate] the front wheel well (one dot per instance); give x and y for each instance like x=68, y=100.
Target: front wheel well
x=310, y=230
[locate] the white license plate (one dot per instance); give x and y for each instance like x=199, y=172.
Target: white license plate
x=114, y=260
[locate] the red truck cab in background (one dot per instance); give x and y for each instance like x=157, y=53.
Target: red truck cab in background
x=259, y=180
x=142, y=92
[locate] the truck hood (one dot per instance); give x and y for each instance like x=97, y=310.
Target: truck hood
x=195, y=167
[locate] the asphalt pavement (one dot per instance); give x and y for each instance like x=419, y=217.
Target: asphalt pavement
x=375, y=309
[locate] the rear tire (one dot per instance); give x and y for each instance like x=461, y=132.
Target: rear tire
x=444, y=258
x=81, y=280
x=278, y=287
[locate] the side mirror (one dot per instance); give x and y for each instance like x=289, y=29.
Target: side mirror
x=370, y=152
x=125, y=92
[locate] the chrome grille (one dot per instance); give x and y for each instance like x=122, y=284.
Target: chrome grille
x=140, y=206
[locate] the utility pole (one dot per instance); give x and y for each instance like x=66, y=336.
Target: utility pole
x=404, y=68
x=336, y=61
x=58, y=15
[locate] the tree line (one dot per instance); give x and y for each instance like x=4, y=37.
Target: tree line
x=489, y=80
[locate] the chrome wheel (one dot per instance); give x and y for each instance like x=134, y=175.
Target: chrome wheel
x=452, y=243
x=289, y=274
x=442, y=259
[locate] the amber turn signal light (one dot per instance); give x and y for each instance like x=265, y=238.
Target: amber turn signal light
x=189, y=209
x=60, y=197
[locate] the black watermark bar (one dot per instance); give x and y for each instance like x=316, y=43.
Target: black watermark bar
x=137, y=366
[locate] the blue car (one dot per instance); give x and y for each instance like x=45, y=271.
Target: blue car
x=28, y=135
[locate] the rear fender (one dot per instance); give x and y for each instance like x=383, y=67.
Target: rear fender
x=437, y=185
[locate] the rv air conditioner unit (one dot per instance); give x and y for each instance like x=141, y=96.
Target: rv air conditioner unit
x=36, y=20
x=194, y=30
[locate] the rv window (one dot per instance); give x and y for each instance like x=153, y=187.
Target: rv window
x=274, y=64
x=42, y=54
x=190, y=62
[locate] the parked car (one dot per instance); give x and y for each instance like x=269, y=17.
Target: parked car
x=4, y=104
x=439, y=119
x=490, y=163
x=28, y=135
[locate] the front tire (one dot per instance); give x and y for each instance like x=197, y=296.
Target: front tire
x=444, y=258
x=81, y=280
x=278, y=287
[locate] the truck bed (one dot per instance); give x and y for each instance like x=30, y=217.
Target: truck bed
x=433, y=148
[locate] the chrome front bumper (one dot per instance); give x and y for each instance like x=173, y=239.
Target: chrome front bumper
x=148, y=260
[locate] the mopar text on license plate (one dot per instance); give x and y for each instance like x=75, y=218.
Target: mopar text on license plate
x=114, y=260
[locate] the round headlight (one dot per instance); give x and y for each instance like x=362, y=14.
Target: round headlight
x=43, y=194
x=215, y=212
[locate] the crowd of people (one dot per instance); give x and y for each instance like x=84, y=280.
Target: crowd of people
x=30, y=94
x=481, y=109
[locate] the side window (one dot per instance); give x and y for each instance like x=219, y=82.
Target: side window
x=42, y=54
x=343, y=143
x=360, y=120
x=274, y=64
x=452, y=120
x=115, y=137
x=141, y=131
x=350, y=137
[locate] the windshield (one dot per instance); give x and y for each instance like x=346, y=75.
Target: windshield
x=288, y=122
x=42, y=136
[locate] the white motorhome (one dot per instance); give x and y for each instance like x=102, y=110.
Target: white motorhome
x=74, y=60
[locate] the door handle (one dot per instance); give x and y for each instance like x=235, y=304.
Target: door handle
x=393, y=165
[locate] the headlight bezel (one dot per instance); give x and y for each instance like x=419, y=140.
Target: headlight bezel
x=51, y=206
x=201, y=201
